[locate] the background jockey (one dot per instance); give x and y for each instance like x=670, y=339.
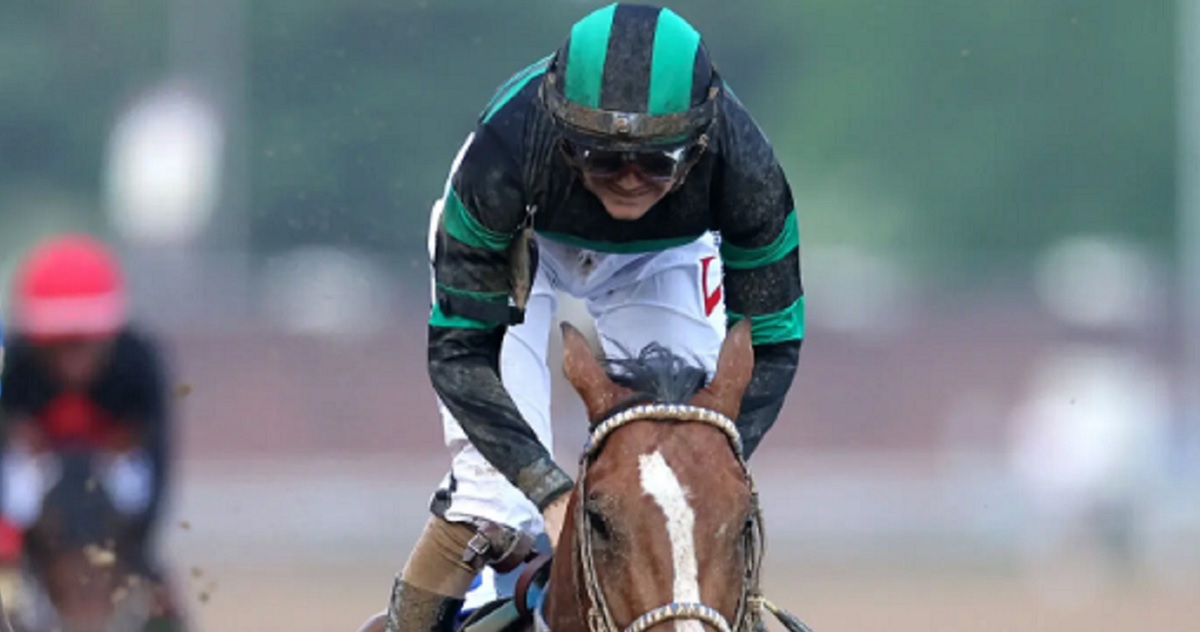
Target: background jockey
x=10, y=534
x=78, y=374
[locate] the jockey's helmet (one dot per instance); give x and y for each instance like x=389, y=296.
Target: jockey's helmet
x=630, y=78
x=69, y=286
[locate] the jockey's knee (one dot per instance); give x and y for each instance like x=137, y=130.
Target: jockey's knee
x=437, y=562
x=449, y=555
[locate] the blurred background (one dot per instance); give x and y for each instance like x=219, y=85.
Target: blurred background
x=996, y=423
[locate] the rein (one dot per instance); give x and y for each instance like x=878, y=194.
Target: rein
x=751, y=602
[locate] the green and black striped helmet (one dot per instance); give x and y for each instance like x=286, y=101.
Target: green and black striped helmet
x=632, y=76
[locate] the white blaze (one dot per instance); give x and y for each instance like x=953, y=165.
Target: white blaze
x=659, y=481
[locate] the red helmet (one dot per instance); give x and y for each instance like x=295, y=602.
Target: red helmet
x=70, y=286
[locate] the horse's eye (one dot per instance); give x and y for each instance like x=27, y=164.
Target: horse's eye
x=597, y=518
x=599, y=524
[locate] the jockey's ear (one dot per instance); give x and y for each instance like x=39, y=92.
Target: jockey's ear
x=599, y=393
x=734, y=367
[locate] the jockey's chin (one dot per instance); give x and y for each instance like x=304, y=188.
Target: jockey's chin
x=629, y=196
x=76, y=362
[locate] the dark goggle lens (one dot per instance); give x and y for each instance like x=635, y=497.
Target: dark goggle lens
x=602, y=163
x=655, y=165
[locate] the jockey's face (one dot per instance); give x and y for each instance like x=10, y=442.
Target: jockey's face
x=76, y=362
x=628, y=182
x=629, y=195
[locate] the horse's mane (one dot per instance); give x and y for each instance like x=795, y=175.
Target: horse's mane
x=657, y=375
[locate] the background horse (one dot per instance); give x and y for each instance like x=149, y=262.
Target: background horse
x=77, y=575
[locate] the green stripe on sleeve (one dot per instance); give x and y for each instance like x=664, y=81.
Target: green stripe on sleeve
x=781, y=326
x=737, y=258
x=461, y=225
x=490, y=297
x=439, y=319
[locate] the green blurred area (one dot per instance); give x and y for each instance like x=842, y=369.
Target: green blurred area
x=959, y=136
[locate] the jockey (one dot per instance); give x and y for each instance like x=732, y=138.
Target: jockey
x=10, y=534
x=79, y=374
x=606, y=170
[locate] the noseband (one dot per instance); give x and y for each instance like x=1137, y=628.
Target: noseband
x=599, y=616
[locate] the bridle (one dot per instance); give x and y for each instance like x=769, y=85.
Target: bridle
x=599, y=617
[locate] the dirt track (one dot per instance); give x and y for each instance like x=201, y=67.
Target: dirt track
x=308, y=599
x=310, y=546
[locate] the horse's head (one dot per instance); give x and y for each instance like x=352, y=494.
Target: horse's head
x=76, y=509
x=75, y=548
x=663, y=522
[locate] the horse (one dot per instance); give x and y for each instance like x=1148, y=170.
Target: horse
x=663, y=524
x=77, y=574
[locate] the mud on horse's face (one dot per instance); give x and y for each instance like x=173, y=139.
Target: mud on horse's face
x=666, y=503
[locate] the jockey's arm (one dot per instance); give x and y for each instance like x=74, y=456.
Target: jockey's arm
x=146, y=411
x=21, y=441
x=18, y=428
x=760, y=249
x=774, y=367
x=482, y=211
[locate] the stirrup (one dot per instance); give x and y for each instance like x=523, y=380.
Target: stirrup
x=498, y=546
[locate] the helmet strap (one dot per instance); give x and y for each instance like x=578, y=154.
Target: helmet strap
x=693, y=156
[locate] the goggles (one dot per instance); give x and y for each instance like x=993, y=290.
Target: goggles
x=659, y=165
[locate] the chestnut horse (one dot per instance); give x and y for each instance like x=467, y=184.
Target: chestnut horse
x=663, y=524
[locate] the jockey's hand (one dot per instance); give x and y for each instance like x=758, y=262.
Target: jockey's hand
x=24, y=478
x=128, y=478
x=553, y=516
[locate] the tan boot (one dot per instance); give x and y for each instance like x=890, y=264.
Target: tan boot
x=429, y=592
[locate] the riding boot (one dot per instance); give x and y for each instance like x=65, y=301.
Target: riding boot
x=412, y=609
x=429, y=592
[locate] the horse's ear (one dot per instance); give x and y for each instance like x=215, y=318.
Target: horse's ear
x=599, y=393
x=734, y=367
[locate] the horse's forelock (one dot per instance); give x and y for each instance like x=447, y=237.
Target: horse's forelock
x=657, y=375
